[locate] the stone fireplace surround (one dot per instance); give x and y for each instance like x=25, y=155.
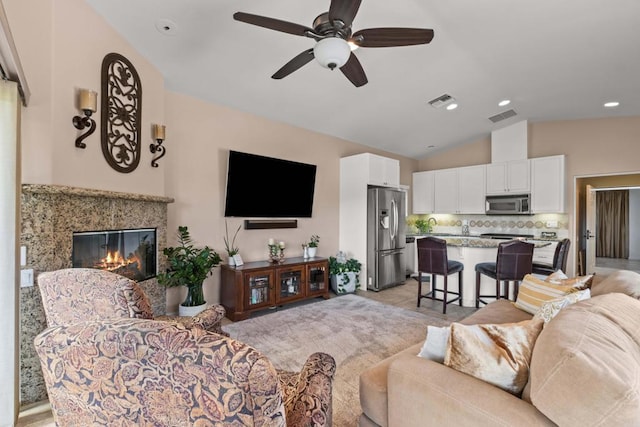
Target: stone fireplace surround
x=50, y=214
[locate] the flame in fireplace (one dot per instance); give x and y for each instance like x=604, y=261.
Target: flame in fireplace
x=116, y=262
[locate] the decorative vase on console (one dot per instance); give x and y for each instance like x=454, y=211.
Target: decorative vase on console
x=276, y=251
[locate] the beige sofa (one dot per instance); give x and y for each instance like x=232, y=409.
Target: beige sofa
x=585, y=370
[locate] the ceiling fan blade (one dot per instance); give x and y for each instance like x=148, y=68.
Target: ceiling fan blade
x=389, y=37
x=344, y=10
x=354, y=72
x=296, y=63
x=272, y=23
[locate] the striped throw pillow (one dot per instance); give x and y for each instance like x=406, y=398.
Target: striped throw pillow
x=534, y=292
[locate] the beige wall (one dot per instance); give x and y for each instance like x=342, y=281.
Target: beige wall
x=476, y=153
x=199, y=137
x=65, y=53
x=592, y=147
x=61, y=49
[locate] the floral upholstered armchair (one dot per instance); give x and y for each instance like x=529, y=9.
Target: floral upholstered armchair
x=133, y=372
x=76, y=294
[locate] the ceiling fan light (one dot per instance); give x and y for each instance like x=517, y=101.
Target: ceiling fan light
x=332, y=52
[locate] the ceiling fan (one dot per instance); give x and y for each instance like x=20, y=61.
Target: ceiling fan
x=332, y=32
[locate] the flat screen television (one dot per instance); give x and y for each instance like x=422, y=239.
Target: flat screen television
x=266, y=187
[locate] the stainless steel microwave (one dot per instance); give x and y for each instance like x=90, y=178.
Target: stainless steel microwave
x=515, y=204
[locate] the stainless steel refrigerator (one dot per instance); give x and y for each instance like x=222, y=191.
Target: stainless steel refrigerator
x=386, y=238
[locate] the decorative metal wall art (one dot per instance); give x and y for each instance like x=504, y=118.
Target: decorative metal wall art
x=121, y=113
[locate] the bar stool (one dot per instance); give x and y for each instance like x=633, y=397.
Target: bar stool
x=513, y=262
x=559, y=260
x=432, y=259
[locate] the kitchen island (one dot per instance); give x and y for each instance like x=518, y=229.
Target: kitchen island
x=471, y=250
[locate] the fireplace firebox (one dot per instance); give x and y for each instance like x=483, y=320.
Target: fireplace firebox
x=130, y=253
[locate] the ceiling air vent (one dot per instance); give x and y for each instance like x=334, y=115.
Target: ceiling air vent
x=502, y=116
x=441, y=101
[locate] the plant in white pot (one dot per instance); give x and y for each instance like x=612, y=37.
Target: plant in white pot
x=313, y=245
x=230, y=245
x=189, y=266
x=344, y=273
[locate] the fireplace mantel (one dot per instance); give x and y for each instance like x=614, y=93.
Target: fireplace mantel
x=87, y=192
x=50, y=216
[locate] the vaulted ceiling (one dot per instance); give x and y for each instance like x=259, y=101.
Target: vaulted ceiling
x=554, y=60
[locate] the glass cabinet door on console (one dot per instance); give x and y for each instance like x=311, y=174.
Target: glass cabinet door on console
x=317, y=278
x=257, y=285
x=258, y=288
x=290, y=283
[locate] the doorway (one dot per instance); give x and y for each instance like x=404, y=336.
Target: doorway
x=598, y=251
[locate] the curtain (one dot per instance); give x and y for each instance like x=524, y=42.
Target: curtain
x=612, y=226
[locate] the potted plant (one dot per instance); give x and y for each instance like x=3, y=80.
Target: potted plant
x=424, y=225
x=189, y=266
x=313, y=245
x=344, y=273
x=230, y=246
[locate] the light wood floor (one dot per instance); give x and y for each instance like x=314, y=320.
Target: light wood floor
x=403, y=296
x=618, y=263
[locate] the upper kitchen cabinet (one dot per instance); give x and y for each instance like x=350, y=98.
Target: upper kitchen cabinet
x=380, y=170
x=510, y=177
x=423, y=192
x=446, y=191
x=547, y=184
x=460, y=190
x=471, y=189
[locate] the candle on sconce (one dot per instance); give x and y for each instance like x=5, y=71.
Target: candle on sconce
x=272, y=242
x=159, y=132
x=281, y=245
x=88, y=100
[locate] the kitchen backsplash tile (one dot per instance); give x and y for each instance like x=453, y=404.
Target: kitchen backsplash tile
x=478, y=224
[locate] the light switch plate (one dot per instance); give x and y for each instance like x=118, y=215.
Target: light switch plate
x=552, y=224
x=26, y=278
x=23, y=256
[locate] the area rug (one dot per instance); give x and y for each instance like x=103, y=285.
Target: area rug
x=358, y=332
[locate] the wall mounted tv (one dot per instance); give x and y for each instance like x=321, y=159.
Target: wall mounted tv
x=266, y=187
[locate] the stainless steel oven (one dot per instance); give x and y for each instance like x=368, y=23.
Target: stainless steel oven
x=516, y=204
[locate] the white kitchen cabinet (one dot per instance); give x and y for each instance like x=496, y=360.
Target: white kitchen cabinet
x=383, y=170
x=547, y=184
x=471, y=189
x=446, y=191
x=544, y=254
x=510, y=177
x=423, y=192
x=460, y=190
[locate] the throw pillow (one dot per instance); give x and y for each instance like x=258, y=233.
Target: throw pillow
x=622, y=281
x=559, y=278
x=435, y=345
x=497, y=354
x=533, y=292
x=549, y=309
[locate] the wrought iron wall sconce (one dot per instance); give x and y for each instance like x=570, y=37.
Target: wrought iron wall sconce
x=87, y=101
x=158, y=135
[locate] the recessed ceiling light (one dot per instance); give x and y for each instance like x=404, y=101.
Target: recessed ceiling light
x=452, y=106
x=166, y=27
x=611, y=104
x=504, y=102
